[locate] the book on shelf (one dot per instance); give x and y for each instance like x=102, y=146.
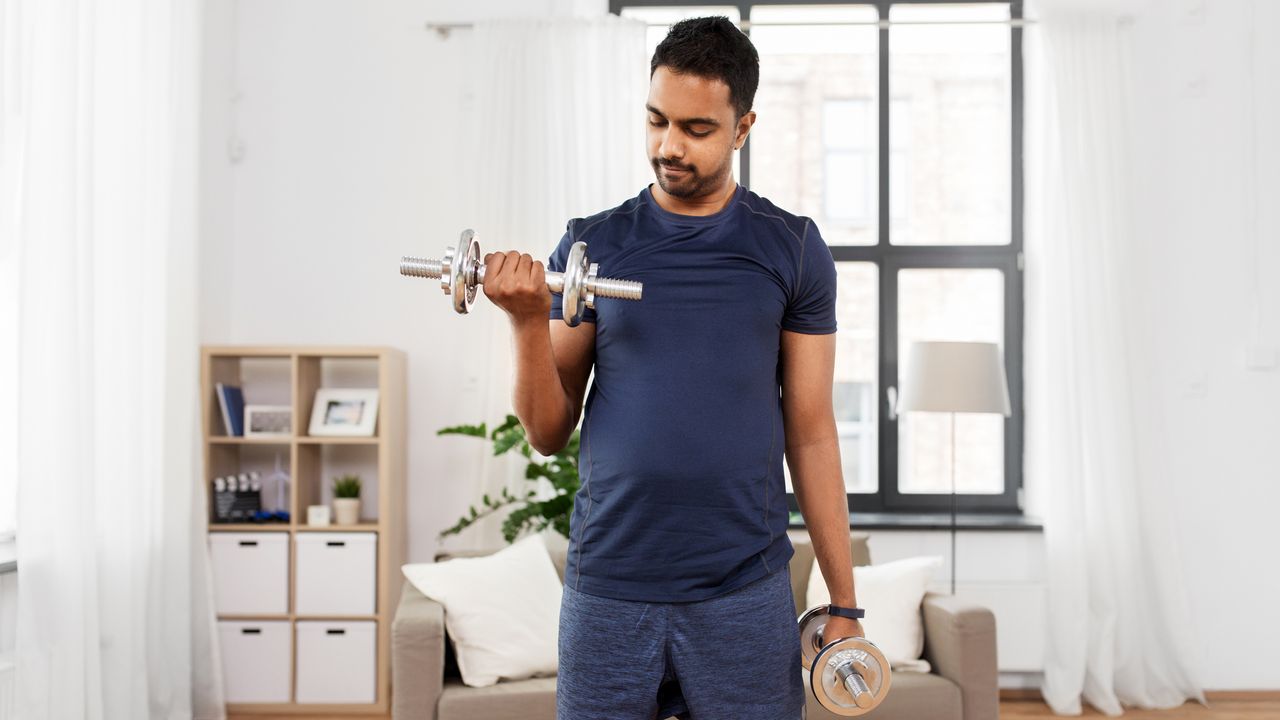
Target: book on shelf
x=231, y=401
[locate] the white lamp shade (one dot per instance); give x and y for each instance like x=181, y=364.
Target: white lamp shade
x=954, y=377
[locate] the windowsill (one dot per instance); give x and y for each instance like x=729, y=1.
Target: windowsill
x=936, y=521
x=8, y=556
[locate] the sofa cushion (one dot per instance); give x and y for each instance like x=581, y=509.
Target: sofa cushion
x=912, y=696
x=891, y=593
x=532, y=699
x=502, y=611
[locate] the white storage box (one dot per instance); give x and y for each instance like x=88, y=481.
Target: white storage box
x=336, y=573
x=250, y=573
x=337, y=662
x=255, y=661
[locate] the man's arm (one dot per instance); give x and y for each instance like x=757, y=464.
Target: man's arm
x=813, y=454
x=553, y=361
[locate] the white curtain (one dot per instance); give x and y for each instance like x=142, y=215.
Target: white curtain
x=114, y=614
x=1121, y=633
x=557, y=132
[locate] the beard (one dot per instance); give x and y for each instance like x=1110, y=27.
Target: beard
x=694, y=183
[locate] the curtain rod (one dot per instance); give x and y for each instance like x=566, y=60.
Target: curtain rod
x=444, y=29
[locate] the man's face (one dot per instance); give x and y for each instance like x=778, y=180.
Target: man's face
x=692, y=133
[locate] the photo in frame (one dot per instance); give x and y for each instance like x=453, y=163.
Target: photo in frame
x=349, y=412
x=268, y=421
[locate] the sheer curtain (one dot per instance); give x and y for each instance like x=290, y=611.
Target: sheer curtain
x=558, y=132
x=114, y=615
x=1121, y=631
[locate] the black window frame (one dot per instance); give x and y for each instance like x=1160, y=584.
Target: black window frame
x=889, y=259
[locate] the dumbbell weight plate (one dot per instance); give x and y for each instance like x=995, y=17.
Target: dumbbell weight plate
x=828, y=686
x=465, y=261
x=574, y=293
x=811, y=625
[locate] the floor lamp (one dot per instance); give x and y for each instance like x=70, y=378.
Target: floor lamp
x=954, y=377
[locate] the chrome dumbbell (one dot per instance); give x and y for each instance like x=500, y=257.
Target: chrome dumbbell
x=848, y=676
x=461, y=272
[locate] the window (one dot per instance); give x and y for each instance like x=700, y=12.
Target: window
x=896, y=127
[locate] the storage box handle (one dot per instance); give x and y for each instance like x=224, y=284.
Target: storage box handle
x=251, y=631
x=248, y=543
x=336, y=632
x=336, y=543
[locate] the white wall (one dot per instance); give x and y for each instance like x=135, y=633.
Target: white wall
x=349, y=117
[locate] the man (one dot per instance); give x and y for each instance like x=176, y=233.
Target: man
x=677, y=597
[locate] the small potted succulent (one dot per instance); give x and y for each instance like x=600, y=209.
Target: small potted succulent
x=346, y=500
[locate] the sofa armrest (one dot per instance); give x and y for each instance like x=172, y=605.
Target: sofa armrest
x=960, y=643
x=417, y=656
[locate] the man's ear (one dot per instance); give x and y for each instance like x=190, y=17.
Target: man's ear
x=744, y=128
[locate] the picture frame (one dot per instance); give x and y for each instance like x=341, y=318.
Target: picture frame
x=268, y=421
x=344, y=412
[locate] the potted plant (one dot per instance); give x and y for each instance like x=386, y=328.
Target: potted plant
x=561, y=470
x=346, y=499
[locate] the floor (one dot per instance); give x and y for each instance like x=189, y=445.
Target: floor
x=1217, y=710
x=1017, y=710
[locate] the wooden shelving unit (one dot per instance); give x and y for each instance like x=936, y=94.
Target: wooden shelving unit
x=290, y=375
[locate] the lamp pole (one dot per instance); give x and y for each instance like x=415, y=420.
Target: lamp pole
x=953, y=503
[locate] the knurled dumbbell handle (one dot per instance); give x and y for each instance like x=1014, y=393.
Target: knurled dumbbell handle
x=598, y=286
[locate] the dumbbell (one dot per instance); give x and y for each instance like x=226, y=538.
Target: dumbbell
x=848, y=676
x=461, y=272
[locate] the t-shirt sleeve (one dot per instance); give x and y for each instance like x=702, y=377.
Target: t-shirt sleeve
x=556, y=263
x=812, y=306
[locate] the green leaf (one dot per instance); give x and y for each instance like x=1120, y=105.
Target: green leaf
x=471, y=430
x=528, y=513
x=506, y=441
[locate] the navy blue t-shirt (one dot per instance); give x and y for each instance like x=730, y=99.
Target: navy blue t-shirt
x=682, y=494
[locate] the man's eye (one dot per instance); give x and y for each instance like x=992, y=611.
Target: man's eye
x=699, y=133
x=657, y=123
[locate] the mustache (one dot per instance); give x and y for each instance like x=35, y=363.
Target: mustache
x=671, y=164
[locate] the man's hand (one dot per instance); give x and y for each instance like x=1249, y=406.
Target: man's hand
x=841, y=627
x=518, y=284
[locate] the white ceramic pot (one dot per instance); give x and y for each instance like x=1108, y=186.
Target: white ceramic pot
x=346, y=511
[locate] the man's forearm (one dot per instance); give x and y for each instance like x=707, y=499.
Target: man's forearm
x=539, y=397
x=820, y=492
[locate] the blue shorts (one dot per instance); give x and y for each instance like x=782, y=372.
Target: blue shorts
x=733, y=656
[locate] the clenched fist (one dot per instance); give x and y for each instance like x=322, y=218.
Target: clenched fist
x=518, y=284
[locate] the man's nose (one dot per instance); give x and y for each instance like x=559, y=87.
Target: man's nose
x=671, y=147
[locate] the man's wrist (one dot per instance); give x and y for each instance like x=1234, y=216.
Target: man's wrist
x=844, y=611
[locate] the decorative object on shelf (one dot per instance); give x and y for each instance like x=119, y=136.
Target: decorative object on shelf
x=231, y=402
x=318, y=515
x=346, y=499
x=530, y=515
x=268, y=421
x=347, y=412
x=235, y=499
x=275, y=488
x=954, y=377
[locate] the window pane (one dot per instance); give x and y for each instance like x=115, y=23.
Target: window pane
x=855, y=389
x=856, y=375
x=814, y=144
x=957, y=305
x=952, y=107
x=660, y=19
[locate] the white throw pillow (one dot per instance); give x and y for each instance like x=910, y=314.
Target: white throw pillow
x=502, y=611
x=891, y=594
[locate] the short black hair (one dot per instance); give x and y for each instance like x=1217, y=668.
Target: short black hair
x=712, y=47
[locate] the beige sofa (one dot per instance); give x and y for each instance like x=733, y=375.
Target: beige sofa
x=960, y=644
